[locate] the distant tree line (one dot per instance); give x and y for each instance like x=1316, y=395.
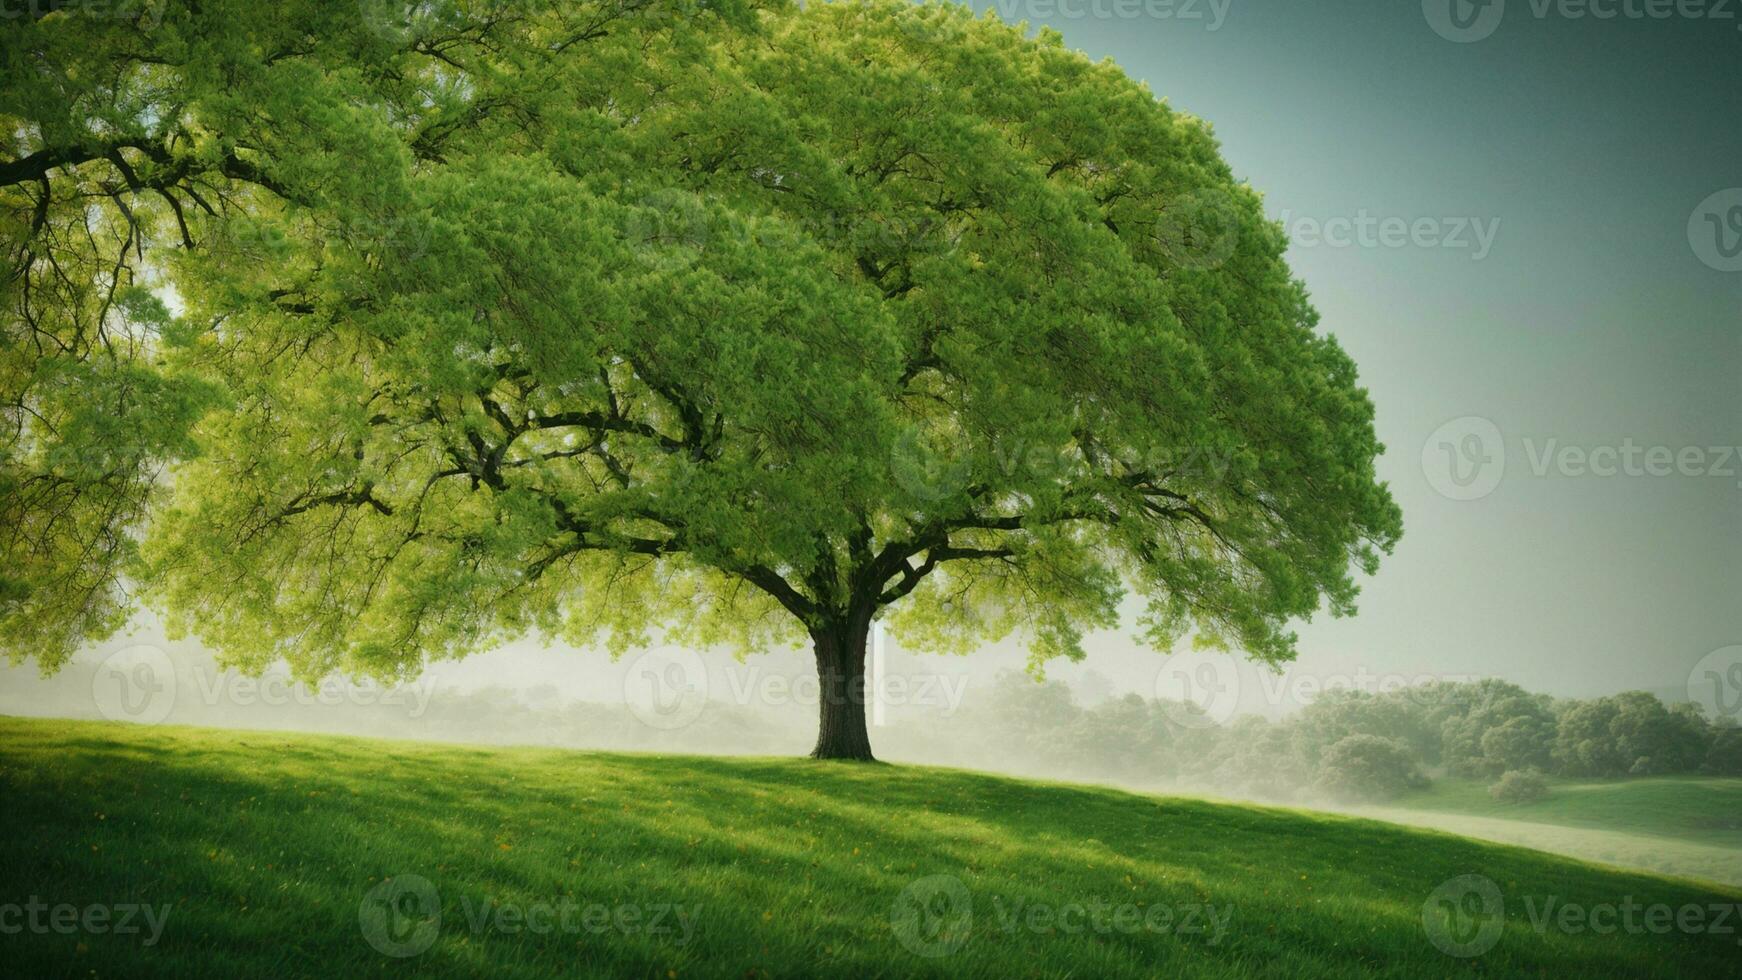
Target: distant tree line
x=1347, y=744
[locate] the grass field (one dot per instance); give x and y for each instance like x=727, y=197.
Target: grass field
x=275, y=854
x=1684, y=826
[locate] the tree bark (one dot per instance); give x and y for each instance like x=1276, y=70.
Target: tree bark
x=841, y=732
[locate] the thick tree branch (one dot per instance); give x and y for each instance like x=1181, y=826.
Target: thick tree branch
x=912, y=575
x=172, y=171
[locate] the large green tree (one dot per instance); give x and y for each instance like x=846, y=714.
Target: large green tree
x=744, y=324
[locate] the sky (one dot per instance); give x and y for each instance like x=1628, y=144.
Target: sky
x=1519, y=231
x=1582, y=148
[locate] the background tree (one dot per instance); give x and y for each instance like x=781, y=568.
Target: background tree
x=1520, y=786
x=1630, y=734
x=744, y=324
x=1336, y=713
x=1497, y=726
x=1128, y=739
x=1724, y=755
x=1368, y=768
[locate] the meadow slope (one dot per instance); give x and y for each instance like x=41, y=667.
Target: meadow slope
x=272, y=854
x=1689, y=826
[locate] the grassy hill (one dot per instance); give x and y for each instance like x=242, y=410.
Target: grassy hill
x=1697, y=809
x=1678, y=825
x=280, y=854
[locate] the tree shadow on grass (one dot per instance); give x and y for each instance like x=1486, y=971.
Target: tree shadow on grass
x=273, y=841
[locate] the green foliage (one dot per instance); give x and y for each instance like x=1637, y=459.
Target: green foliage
x=1520, y=786
x=1629, y=734
x=128, y=123
x=1368, y=768
x=796, y=866
x=732, y=321
x=1338, y=712
x=1478, y=730
x=87, y=425
x=1498, y=726
x=1724, y=757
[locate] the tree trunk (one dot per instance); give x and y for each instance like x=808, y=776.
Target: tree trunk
x=841, y=732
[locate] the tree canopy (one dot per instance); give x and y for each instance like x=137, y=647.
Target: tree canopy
x=727, y=323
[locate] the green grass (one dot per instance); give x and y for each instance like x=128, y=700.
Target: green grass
x=1700, y=810
x=1686, y=826
x=264, y=847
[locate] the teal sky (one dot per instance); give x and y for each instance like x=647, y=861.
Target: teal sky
x=1585, y=145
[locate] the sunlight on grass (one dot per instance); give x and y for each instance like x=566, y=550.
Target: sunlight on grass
x=265, y=847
